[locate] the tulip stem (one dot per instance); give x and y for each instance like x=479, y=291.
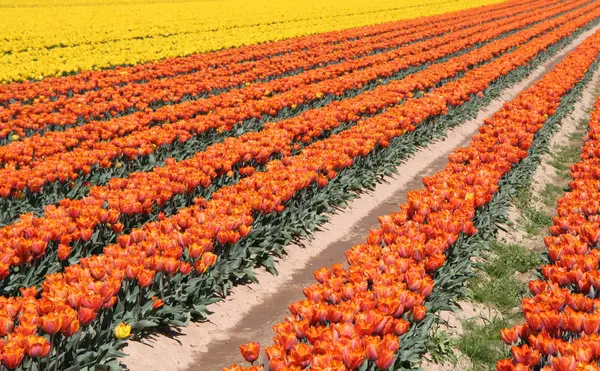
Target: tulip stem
x=161, y=281
x=57, y=359
x=52, y=348
x=79, y=333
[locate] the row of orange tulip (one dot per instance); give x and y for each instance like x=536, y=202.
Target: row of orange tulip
x=161, y=249
x=92, y=80
x=353, y=316
x=268, y=98
x=46, y=115
x=24, y=243
x=236, y=100
x=69, y=165
x=562, y=326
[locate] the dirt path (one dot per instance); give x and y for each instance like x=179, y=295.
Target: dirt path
x=250, y=311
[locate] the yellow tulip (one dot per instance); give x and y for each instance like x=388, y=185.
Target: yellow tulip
x=122, y=331
x=49, y=38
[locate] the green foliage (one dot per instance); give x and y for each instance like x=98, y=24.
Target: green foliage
x=534, y=220
x=440, y=346
x=501, y=289
x=482, y=342
x=503, y=292
x=510, y=258
x=551, y=193
x=566, y=155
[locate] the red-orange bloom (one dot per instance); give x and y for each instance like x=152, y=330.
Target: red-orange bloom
x=250, y=351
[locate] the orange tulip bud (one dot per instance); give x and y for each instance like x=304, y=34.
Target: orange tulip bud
x=145, y=277
x=205, y=262
x=71, y=328
x=158, y=303
x=563, y=363
x=509, y=336
x=29, y=292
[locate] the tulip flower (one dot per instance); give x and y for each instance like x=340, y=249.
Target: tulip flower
x=250, y=351
x=51, y=323
x=37, y=346
x=122, y=331
x=12, y=356
x=385, y=359
x=157, y=303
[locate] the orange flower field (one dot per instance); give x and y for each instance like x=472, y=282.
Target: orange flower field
x=135, y=197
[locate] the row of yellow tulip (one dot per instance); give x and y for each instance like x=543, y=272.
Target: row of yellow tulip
x=51, y=38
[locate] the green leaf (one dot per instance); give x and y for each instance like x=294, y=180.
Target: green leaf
x=143, y=324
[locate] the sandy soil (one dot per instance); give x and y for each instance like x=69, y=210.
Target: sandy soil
x=250, y=311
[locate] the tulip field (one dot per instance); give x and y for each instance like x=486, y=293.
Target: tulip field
x=154, y=155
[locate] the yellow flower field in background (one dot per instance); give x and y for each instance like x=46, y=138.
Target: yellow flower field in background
x=51, y=37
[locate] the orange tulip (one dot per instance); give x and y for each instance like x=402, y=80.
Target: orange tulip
x=37, y=346
x=71, y=328
x=250, y=351
x=86, y=315
x=563, y=364
x=12, y=356
x=6, y=325
x=64, y=251
x=51, y=323
x=205, y=262
x=301, y=355
x=509, y=336
x=419, y=312
x=385, y=360
x=157, y=303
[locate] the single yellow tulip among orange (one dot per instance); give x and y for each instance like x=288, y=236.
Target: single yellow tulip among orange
x=122, y=331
